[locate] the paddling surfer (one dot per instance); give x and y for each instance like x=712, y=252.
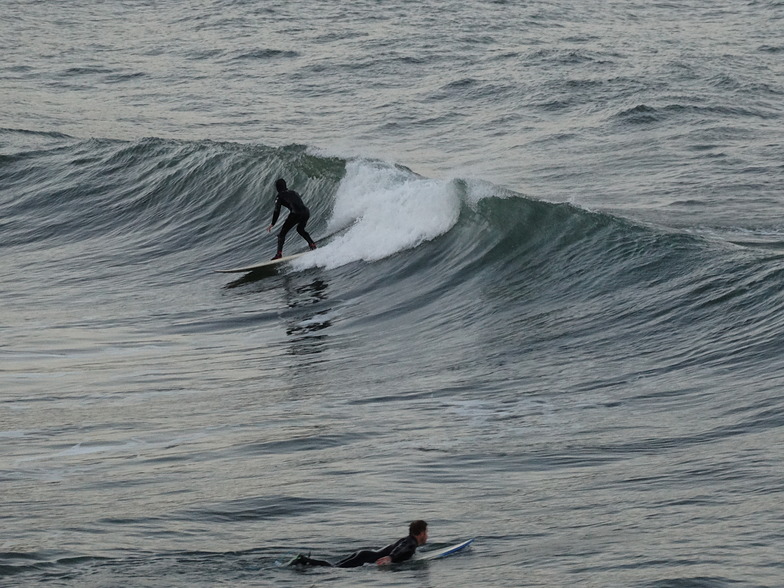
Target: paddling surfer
x=401, y=550
x=298, y=216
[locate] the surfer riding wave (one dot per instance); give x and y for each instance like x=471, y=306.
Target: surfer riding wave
x=298, y=216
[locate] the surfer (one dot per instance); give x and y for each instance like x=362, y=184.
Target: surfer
x=298, y=215
x=401, y=550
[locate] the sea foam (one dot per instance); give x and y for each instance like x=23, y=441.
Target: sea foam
x=381, y=210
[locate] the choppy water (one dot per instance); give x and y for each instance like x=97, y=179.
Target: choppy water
x=545, y=311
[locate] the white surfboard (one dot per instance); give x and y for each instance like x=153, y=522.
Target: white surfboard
x=262, y=265
x=445, y=552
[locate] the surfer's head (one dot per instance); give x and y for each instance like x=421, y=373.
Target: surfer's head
x=418, y=529
x=280, y=185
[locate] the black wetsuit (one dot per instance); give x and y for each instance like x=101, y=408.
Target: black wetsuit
x=299, y=216
x=401, y=550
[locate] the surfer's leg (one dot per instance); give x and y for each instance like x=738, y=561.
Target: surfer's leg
x=290, y=221
x=303, y=220
x=358, y=559
x=304, y=560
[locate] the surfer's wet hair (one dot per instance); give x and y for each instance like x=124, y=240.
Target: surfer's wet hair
x=417, y=527
x=280, y=185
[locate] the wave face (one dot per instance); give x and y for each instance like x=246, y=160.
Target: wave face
x=494, y=277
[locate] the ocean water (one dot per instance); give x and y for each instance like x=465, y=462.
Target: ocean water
x=545, y=311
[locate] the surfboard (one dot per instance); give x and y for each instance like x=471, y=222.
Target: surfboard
x=445, y=552
x=259, y=266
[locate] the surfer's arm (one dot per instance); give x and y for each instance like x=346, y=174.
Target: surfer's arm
x=403, y=551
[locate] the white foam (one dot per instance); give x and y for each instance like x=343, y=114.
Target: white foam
x=384, y=210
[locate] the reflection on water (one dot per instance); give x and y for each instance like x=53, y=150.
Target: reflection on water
x=301, y=328
x=311, y=293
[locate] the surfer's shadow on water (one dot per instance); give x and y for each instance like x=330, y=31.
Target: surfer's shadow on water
x=251, y=278
x=306, y=294
x=300, y=294
x=307, y=330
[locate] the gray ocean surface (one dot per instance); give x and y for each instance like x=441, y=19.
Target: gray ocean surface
x=545, y=311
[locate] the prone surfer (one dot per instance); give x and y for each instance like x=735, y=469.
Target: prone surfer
x=401, y=550
x=298, y=216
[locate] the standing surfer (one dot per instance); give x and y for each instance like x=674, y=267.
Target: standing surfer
x=298, y=215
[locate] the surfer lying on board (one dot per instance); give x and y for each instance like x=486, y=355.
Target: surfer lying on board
x=400, y=550
x=299, y=215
